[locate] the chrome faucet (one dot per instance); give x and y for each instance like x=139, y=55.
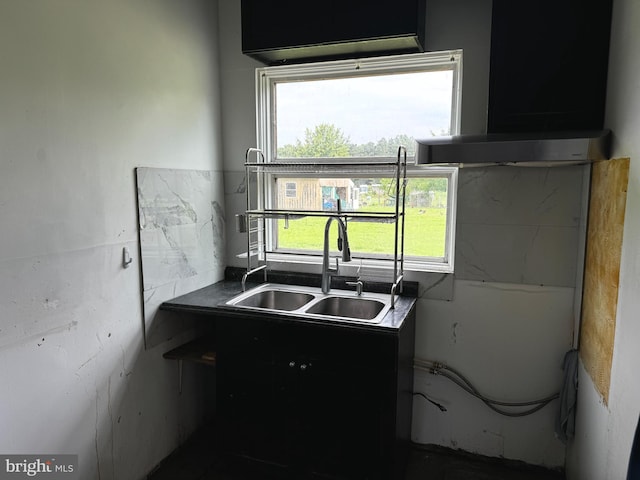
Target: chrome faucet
x=343, y=245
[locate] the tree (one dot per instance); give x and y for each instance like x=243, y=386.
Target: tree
x=324, y=140
x=384, y=147
x=327, y=140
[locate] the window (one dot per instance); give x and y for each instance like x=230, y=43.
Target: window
x=360, y=112
x=290, y=189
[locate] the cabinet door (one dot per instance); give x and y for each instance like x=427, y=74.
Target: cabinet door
x=247, y=400
x=345, y=413
x=287, y=30
x=549, y=62
x=339, y=391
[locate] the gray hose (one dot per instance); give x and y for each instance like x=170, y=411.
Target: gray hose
x=436, y=368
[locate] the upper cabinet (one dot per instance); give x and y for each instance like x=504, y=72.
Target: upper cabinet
x=549, y=61
x=287, y=31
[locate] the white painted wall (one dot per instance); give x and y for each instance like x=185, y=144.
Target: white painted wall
x=504, y=337
x=506, y=319
x=604, y=433
x=88, y=92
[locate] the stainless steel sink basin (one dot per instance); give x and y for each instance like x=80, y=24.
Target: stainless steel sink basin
x=310, y=302
x=360, y=308
x=276, y=300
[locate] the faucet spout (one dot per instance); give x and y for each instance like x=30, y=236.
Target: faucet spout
x=343, y=245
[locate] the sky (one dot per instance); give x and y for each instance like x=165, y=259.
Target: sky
x=367, y=109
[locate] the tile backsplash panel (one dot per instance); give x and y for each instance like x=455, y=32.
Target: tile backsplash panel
x=182, y=240
x=519, y=225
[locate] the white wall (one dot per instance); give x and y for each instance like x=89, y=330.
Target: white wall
x=506, y=318
x=604, y=433
x=237, y=85
x=88, y=92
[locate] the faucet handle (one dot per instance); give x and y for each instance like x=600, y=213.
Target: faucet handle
x=358, y=284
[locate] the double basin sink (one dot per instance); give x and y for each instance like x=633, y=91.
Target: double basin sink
x=310, y=302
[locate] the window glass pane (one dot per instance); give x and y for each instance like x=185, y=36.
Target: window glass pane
x=360, y=109
x=291, y=190
x=361, y=116
x=425, y=207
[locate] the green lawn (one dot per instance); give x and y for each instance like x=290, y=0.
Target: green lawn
x=424, y=233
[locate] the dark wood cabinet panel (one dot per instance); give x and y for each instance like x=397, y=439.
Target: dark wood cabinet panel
x=549, y=62
x=247, y=394
x=320, y=401
x=288, y=31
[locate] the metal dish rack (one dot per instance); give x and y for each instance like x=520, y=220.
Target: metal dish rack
x=253, y=221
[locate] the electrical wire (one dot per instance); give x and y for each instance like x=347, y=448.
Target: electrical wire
x=441, y=407
x=437, y=368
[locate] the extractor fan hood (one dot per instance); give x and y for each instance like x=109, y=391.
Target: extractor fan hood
x=535, y=149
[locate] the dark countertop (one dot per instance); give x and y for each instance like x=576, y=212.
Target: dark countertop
x=211, y=300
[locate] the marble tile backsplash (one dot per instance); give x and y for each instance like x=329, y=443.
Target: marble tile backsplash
x=514, y=225
x=505, y=195
x=519, y=225
x=182, y=238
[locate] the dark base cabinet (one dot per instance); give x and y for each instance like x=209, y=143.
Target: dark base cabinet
x=316, y=400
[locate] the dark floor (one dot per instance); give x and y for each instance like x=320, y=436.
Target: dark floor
x=195, y=461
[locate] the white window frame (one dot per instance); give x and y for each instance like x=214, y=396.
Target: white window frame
x=268, y=77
